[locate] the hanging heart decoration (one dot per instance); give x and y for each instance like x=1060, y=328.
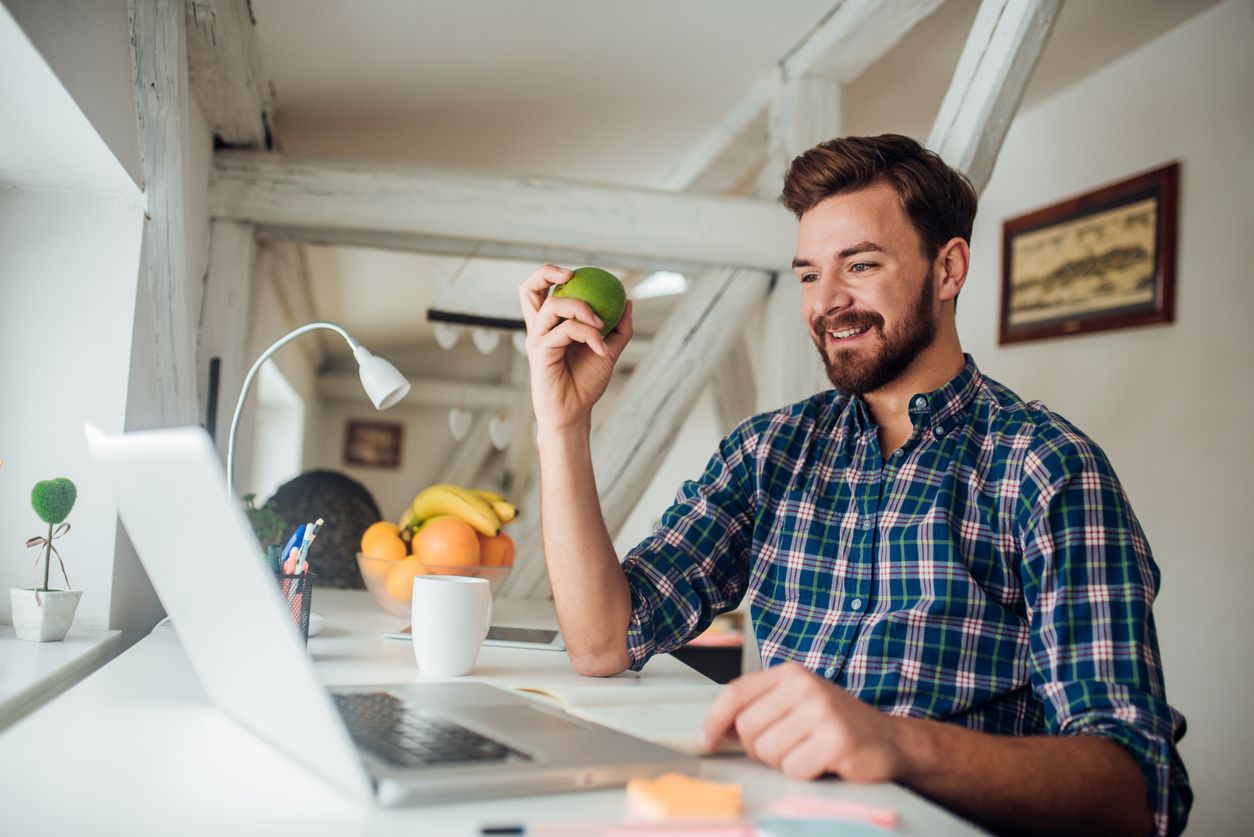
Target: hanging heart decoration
x=446, y=334
x=520, y=342
x=501, y=431
x=485, y=339
x=459, y=422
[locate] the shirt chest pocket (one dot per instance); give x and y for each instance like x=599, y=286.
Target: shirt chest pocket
x=804, y=548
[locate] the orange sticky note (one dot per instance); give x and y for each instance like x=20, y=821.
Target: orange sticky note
x=677, y=795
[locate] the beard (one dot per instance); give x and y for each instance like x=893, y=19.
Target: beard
x=869, y=368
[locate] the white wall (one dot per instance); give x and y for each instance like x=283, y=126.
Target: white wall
x=426, y=444
x=71, y=247
x=1171, y=405
x=69, y=257
x=68, y=265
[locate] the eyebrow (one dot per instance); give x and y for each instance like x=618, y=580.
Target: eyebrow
x=863, y=247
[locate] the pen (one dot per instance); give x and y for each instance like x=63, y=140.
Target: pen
x=294, y=540
x=311, y=532
x=695, y=828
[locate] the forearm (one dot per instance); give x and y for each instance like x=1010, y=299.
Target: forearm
x=1073, y=784
x=589, y=588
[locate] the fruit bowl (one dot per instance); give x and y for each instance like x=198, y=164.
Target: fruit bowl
x=391, y=582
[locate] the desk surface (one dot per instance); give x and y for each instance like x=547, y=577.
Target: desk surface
x=137, y=749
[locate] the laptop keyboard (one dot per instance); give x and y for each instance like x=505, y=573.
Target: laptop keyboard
x=407, y=735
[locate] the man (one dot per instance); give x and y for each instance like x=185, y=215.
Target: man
x=948, y=586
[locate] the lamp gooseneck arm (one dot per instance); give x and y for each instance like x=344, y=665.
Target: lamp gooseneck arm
x=248, y=382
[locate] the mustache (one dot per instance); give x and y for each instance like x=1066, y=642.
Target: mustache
x=844, y=321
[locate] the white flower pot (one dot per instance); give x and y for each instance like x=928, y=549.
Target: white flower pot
x=47, y=620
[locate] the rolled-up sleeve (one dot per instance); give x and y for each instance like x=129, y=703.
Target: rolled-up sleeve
x=695, y=564
x=1089, y=582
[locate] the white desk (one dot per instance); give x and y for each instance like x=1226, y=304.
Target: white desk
x=136, y=749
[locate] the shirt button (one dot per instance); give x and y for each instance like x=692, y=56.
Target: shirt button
x=830, y=672
x=920, y=403
x=856, y=604
x=939, y=431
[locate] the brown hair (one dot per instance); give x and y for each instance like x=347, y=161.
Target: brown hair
x=940, y=201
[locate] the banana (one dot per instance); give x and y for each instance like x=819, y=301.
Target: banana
x=505, y=510
x=459, y=502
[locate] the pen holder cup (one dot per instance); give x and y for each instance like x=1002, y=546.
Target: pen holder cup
x=297, y=591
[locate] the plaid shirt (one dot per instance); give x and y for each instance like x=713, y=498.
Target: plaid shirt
x=990, y=572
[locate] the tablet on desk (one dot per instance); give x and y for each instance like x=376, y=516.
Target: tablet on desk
x=546, y=639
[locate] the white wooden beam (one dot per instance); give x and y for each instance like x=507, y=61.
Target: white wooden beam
x=608, y=221
x=735, y=390
x=851, y=37
x=159, y=44
x=226, y=74
x=629, y=444
x=423, y=392
x=1005, y=43
x=468, y=456
x=225, y=319
x=408, y=241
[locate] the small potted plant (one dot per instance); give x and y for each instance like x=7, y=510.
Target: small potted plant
x=42, y=614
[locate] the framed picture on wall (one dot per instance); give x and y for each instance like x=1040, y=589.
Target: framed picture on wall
x=1103, y=260
x=372, y=444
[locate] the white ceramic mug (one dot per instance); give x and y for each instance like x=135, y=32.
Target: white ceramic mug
x=450, y=615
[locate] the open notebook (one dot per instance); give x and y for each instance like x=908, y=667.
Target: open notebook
x=669, y=715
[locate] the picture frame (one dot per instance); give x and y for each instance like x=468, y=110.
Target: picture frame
x=1099, y=261
x=373, y=444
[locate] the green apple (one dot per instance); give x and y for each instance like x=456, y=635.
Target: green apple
x=602, y=291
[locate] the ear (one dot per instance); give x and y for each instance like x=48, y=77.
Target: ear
x=951, y=265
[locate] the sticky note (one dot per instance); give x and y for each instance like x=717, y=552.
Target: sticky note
x=677, y=795
x=816, y=807
x=783, y=827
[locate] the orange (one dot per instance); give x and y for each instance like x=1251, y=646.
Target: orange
x=449, y=544
x=383, y=540
x=400, y=585
x=496, y=552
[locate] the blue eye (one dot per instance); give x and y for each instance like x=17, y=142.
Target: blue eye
x=860, y=267
x=809, y=277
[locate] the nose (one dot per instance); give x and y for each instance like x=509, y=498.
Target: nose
x=826, y=295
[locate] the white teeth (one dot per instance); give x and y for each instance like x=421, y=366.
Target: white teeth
x=849, y=332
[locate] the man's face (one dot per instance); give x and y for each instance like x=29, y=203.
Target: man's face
x=867, y=291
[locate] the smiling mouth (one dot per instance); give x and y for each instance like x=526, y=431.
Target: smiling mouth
x=848, y=333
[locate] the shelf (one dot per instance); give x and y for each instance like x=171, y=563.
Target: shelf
x=33, y=673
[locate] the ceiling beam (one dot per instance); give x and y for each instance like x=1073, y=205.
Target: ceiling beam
x=853, y=36
x=605, y=221
x=850, y=38
x=408, y=241
x=225, y=71
x=1005, y=43
x=423, y=392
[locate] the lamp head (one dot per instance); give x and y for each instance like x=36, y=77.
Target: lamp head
x=380, y=379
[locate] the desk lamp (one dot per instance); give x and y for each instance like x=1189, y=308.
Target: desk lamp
x=380, y=379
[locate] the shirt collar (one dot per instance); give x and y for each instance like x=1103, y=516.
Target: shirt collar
x=943, y=408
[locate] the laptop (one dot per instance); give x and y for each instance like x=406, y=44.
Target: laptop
x=395, y=744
